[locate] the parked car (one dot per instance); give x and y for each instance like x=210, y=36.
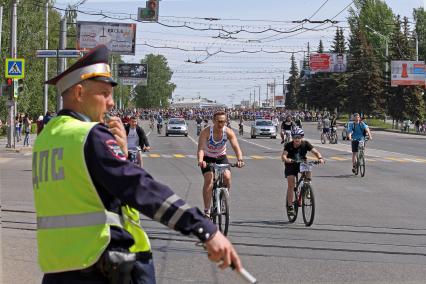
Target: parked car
x=177, y=126
x=345, y=131
x=263, y=127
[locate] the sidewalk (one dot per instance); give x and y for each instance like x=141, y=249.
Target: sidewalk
x=19, y=146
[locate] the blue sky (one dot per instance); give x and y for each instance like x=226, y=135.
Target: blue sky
x=229, y=78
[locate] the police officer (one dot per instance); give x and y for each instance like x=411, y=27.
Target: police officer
x=88, y=196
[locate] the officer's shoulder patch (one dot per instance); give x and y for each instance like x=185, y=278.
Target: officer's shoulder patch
x=115, y=149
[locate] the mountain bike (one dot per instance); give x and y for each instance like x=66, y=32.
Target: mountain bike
x=287, y=134
x=360, y=158
x=135, y=156
x=219, y=211
x=333, y=135
x=303, y=195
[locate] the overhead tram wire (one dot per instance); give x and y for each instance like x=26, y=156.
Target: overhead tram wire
x=131, y=17
x=344, y=9
x=325, y=2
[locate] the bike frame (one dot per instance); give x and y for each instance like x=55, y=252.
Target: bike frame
x=218, y=176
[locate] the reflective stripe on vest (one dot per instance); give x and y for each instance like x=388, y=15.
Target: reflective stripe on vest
x=79, y=220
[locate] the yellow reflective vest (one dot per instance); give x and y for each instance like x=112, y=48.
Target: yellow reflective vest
x=73, y=225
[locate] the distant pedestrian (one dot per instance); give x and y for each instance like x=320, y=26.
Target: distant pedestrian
x=18, y=124
x=417, y=125
x=27, y=128
x=47, y=118
x=39, y=124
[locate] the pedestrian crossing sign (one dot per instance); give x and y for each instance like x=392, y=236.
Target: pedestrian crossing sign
x=15, y=68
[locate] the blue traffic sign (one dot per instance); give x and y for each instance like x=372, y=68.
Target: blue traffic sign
x=15, y=68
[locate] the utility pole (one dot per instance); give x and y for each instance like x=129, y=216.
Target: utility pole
x=13, y=54
x=284, y=89
x=417, y=45
x=46, y=60
x=274, y=92
x=267, y=97
x=259, y=98
x=62, y=61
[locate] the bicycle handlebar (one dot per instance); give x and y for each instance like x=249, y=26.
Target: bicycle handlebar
x=306, y=162
x=212, y=165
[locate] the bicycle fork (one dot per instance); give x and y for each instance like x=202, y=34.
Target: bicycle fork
x=217, y=201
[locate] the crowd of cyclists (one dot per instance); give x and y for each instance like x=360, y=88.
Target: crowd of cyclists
x=213, y=139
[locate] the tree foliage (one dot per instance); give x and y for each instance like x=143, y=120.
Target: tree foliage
x=293, y=87
x=30, y=37
x=159, y=88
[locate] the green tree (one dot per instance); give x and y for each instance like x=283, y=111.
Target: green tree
x=30, y=37
x=320, y=47
x=420, y=28
x=159, y=88
x=293, y=88
x=339, y=43
x=365, y=83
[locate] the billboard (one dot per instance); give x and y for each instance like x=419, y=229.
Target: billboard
x=328, y=62
x=118, y=37
x=133, y=73
x=407, y=73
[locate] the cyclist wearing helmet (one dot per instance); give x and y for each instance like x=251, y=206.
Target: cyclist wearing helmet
x=294, y=152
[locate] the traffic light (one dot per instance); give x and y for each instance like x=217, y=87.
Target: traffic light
x=150, y=12
x=20, y=86
x=7, y=87
x=152, y=6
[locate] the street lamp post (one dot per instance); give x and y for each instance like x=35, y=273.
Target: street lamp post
x=387, y=46
x=255, y=94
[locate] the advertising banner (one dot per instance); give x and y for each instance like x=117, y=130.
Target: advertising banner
x=408, y=73
x=319, y=62
x=328, y=62
x=118, y=37
x=133, y=74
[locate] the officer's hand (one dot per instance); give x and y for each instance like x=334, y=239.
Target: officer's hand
x=219, y=248
x=117, y=129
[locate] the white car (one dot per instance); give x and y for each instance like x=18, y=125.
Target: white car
x=177, y=126
x=264, y=128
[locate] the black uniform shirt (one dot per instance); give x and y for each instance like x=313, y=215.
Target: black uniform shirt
x=119, y=182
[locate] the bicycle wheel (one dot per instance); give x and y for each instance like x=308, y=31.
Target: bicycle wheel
x=362, y=164
x=322, y=138
x=292, y=218
x=308, y=204
x=223, y=217
x=356, y=165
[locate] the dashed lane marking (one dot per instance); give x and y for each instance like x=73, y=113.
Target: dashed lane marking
x=339, y=158
x=396, y=159
x=257, y=157
x=260, y=158
x=5, y=160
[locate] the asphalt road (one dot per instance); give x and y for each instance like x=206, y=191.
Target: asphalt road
x=366, y=230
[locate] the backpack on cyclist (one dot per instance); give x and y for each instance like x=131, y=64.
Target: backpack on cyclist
x=364, y=130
